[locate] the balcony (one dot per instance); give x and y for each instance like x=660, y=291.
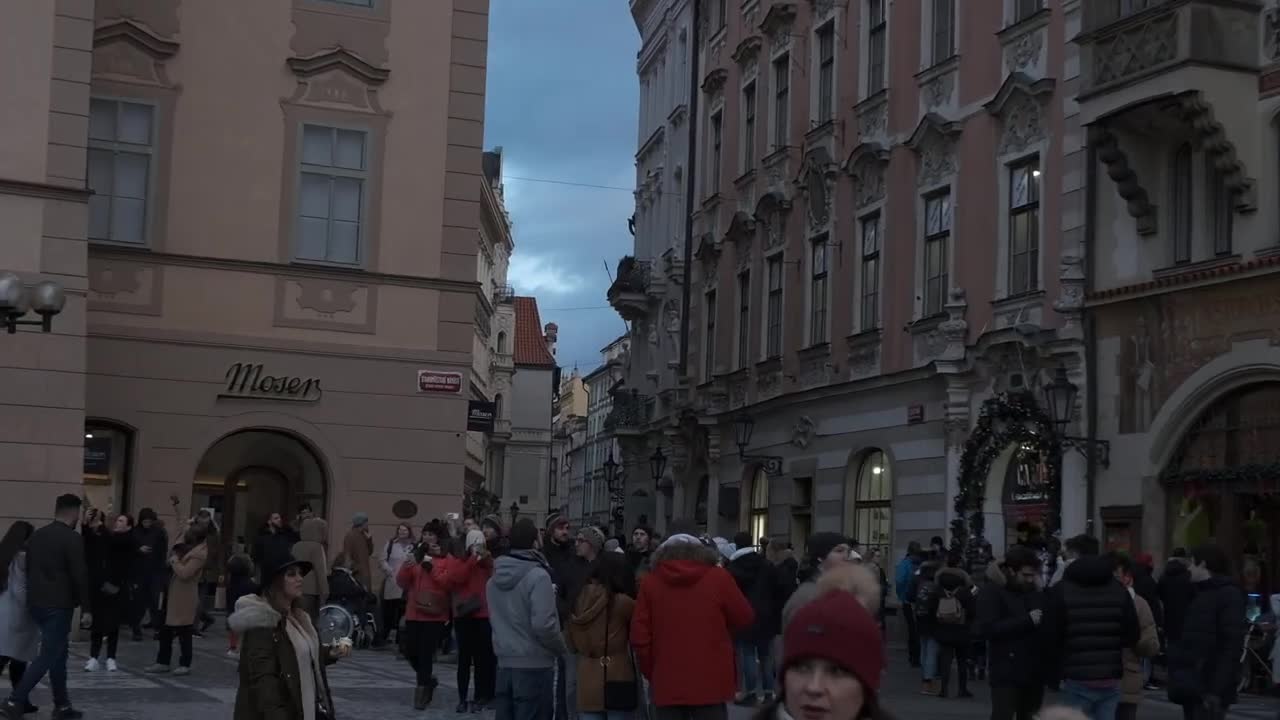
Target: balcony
x=630, y=414
x=1137, y=50
x=629, y=293
x=501, y=428
x=502, y=361
x=503, y=294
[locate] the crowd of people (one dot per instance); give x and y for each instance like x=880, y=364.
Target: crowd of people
x=567, y=623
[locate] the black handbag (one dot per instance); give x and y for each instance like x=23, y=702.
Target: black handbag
x=619, y=695
x=467, y=605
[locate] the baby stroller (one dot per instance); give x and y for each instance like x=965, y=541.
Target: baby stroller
x=350, y=612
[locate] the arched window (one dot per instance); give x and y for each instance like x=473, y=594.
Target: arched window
x=872, y=501
x=497, y=406
x=1182, y=203
x=106, y=464
x=502, y=342
x=758, y=518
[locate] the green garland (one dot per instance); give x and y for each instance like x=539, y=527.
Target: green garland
x=1007, y=418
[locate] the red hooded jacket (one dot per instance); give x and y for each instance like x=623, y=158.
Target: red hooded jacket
x=469, y=578
x=425, y=588
x=688, y=657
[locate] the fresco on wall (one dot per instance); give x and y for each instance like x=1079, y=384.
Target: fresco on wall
x=1167, y=338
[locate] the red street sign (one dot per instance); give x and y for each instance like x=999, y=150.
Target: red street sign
x=439, y=381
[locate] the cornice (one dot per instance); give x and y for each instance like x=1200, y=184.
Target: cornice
x=932, y=123
x=715, y=80
x=748, y=49
x=338, y=57
x=780, y=15
x=1019, y=83
x=867, y=150
x=138, y=35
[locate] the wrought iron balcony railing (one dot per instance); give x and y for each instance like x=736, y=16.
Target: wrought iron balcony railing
x=630, y=411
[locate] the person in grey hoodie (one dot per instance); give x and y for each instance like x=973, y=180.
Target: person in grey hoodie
x=526, y=628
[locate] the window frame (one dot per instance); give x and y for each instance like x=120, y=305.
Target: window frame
x=758, y=506
x=781, y=68
x=774, y=305
x=117, y=147
x=825, y=37
x=931, y=304
x=1182, y=199
x=869, y=272
x=1023, y=9
x=744, y=319
x=868, y=505
x=819, y=290
x=715, y=144
x=749, y=100
x=877, y=45
x=942, y=42
x=1221, y=209
x=1029, y=256
x=365, y=176
x=710, y=309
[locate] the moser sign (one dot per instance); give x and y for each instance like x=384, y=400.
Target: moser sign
x=249, y=380
x=439, y=381
x=480, y=415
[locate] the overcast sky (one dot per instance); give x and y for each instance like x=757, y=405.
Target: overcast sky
x=562, y=99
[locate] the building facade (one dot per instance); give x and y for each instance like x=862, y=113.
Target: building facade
x=1182, y=284
x=527, y=486
x=604, y=497
x=281, y=296
x=569, y=431
x=887, y=197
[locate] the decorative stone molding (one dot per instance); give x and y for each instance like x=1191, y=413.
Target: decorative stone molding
x=713, y=83
x=768, y=379
x=776, y=25
x=822, y=9
x=873, y=119
x=802, y=432
x=1024, y=53
x=864, y=354
x=739, y=384
x=130, y=50
x=1271, y=34
x=748, y=50
x=324, y=304
x=326, y=297
x=1130, y=189
x=1135, y=49
x=815, y=366
x=938, y=91
x=1070, y=300
x=1197, y=112
x=338, y=76
x=955, y=329
x=867, y=165
x=817, y=180
x=771, y=213
x=741, y=232
x=338, y=57
x=1020, y=105
x=709, y=254
x=934, y=141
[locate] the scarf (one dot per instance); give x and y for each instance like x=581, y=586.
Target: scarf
x=307, y=648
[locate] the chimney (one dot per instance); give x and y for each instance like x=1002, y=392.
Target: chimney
x=550, y=333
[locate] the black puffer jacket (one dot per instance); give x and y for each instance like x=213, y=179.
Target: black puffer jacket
x=1089, y=619
x=1206, y=660
x=569, y=573
x=1004, y=621
x=954, y=582
x=1176, y=592
x=761, y=584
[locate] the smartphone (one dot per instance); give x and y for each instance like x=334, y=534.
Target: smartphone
x=452, y=516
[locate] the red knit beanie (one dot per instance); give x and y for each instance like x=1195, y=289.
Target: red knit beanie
x=837, y=628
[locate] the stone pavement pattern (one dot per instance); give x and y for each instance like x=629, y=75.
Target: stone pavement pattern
x=378, y=685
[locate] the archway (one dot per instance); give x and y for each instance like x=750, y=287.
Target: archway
x=249, y=474
x=869, y=502
x=108, y=462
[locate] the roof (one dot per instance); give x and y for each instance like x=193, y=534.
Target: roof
x=531, y=346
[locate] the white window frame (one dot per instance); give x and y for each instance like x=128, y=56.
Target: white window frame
x=818, y=264
x=868, y=254
x=715, y=149
x=769, y=348
x=1182, y=183
x=116, y=147
x=871, y=83
x=780, y=104
x=710, y=306
x=927, y=305
x=750, y=116
x=933, y=53
x=365, y=176
x=824, y=87
x=744, y=319
x=1034, y=207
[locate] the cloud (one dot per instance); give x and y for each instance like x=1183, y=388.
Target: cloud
x=540, y=275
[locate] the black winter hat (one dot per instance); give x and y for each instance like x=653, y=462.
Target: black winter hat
x=524, y=534
x=821, y=544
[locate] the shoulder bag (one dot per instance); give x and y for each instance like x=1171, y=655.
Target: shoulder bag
x=619, y=695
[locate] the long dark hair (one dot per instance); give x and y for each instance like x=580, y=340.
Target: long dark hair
x=13, y=542
x=612, y=572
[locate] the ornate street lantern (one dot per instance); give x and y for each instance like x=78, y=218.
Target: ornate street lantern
x=743, y=426
x=1060, y=397
x=658, y=465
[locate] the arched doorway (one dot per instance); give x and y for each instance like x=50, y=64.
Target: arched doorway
x=108, y=448
x=1223, y=483
x=869, y=511
x=758, y=506
x=246, y=476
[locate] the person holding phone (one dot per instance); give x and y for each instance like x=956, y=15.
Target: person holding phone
x=425, y=582
x=108, y=554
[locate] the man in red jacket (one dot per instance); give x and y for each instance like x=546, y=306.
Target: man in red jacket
x=688, y=657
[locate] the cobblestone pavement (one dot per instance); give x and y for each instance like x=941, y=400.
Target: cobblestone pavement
x=378, y=685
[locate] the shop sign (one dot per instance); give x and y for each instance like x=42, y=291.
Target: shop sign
x=915, y=413
x=480, y=415
x=248, y=380
x=439, y=381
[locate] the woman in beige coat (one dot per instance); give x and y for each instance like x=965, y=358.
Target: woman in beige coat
x=182, y=600
x=1148, y=646
x=310, y=549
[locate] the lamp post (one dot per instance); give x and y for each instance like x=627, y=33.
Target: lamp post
x=743, y=427
x=1060, y=398
x=45, y=299
x=515, y=512
x=615, y=492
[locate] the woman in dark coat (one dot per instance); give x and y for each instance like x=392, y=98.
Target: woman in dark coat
x=952, y=627
x=108, y=553
x=282, y=662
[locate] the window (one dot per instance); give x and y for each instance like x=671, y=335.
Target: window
x=759, y=517
x=870, y=310
x=1183, y=215
x=722, y=14
x=781, y=101
x=748, y=127
x=744, y=319
x=826, y=71
x=1024, y=9
x=937, y=211
x=876, y=38
x=872, y=511
x=331, y=191
x=502, y=342
x=944, y=30
x=713, y=168
x=773, y=334
x=818, y=293
x=1024, y=227
x=709, y=364
x=121, y=138
x=1221, y=205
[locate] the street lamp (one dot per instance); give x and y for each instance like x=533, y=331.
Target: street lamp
x=515, y=512
x=610, y=470
x=611, y=481
x=743, y=427
x=1060, y=397
x=46, y=299
x=658, y=468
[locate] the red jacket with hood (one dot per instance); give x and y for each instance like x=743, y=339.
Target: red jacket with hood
x=427, y=587
x=468, y=578
x=688, y=657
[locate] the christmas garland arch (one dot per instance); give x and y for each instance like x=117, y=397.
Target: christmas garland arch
x=1007, y=418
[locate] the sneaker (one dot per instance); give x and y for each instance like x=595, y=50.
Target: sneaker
x=66, y=713
x=182, y=670
x=11, y=710
x=233, y=653
x=156, y=669
x=463, y=706
x=111, y=665
x=92, y=665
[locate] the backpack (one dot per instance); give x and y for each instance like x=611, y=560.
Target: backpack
x=924, y=589
x=950, y=609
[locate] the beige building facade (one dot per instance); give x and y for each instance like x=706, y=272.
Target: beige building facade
x=279, y=293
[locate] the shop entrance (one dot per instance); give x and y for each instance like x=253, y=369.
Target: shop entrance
x=246, y=476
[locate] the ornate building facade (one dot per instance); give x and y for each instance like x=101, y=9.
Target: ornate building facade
x=888, y=203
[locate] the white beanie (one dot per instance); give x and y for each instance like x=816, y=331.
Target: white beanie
x=474, y=538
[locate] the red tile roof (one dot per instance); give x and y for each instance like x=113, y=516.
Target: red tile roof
x=530, y=347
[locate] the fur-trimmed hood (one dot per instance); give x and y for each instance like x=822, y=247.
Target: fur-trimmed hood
x=684, y=563
x=694, y=551
x=253, y=612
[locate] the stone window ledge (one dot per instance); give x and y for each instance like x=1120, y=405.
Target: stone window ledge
x=1199, y=266
x=1007, y=302
x=926, y=324
x=1031, y=23
x=932, y=72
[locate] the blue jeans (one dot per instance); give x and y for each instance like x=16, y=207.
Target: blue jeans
x=928, y=657
x=755, y=666
x=524, y=694
x=1099, y=703
x=55, y=625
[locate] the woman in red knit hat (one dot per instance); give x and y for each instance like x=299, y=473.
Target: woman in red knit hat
x=832, y=662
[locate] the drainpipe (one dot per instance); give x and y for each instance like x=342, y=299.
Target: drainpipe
x=1090, y=333
x=690, y=193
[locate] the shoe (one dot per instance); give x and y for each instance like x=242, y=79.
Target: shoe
x=198, y=635
x=1151, y=686
x=112, y=666
x=233, y=653
x=463, y=706
x=156, y=669
x=30, y=709
x=92, y=665
x=481, y=705
x=10, y=710
x=205, y=625
x=66, y=713
x=420, y=697
x=182, y=670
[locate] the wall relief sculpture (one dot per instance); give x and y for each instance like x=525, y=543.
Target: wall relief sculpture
x=867, y=165
x=1023, y=125
x=802, y=432
x=934, y=142
x=1024, y=53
